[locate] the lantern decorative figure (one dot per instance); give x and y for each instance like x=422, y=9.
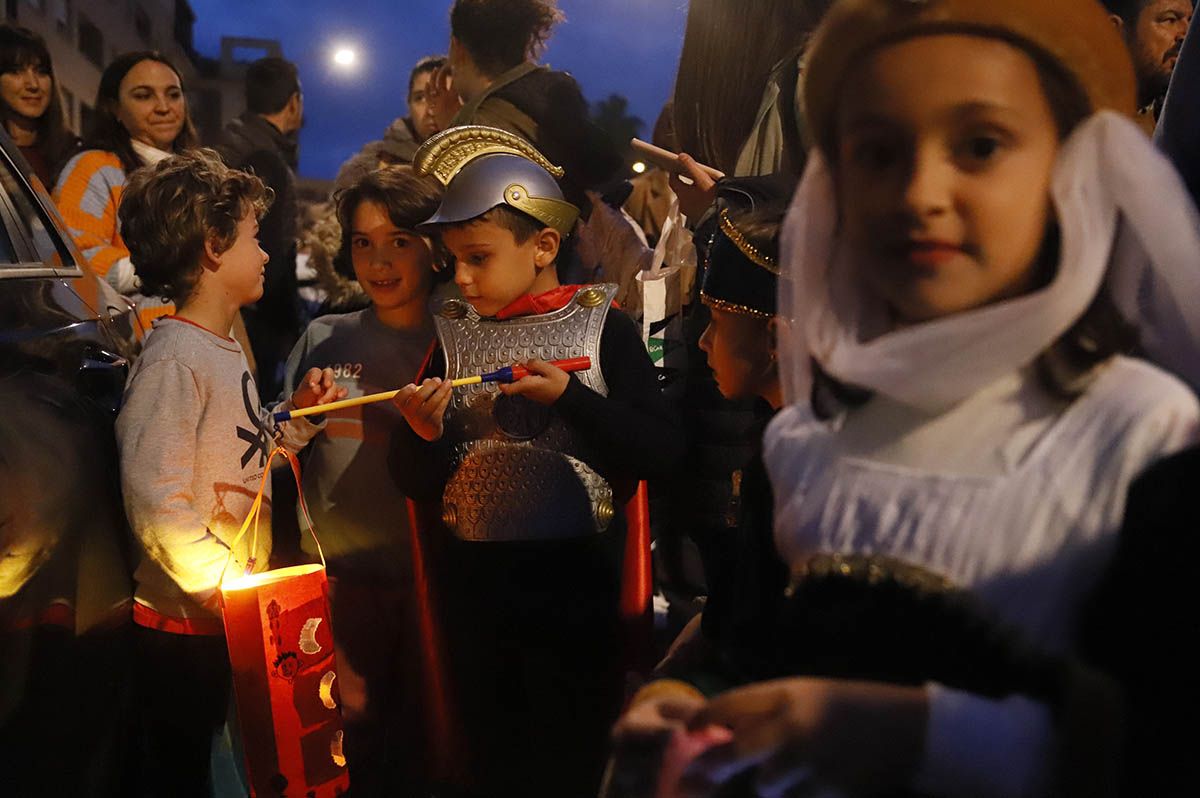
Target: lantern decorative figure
x=277, y=625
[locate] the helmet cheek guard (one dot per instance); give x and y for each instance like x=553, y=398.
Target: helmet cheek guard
x=550, y=211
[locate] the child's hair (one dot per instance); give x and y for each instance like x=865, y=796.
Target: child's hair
x=408, y=197
x=760, y=225
x=501, y=34
x=522, y=226
x=169, y=210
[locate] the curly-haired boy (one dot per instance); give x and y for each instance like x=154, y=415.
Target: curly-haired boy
x=193, y=444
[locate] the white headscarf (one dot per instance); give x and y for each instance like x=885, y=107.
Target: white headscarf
x=1106, y=170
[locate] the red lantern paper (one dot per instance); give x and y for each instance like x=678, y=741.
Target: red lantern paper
x=277, y=625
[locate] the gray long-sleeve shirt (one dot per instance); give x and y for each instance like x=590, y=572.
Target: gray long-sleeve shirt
x=193, y=443
x=360, y=515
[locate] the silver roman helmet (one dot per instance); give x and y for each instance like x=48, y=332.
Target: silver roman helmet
x=483, y=167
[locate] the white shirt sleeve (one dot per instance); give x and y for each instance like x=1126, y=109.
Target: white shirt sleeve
x=983, y=748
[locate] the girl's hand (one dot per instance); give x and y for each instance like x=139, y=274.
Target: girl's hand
x=694, y=198
x=424, y=406
x=659, y=707
x=544, y=385
x=640, y=738
x=861, y=737
x=317, y=388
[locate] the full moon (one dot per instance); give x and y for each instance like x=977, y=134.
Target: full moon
x=344, y=57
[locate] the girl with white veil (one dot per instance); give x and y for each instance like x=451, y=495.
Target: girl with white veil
x=980, y=238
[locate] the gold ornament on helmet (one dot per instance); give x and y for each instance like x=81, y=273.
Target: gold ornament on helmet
x=446, y=153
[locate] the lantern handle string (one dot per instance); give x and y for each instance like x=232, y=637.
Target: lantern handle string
x=256, y=509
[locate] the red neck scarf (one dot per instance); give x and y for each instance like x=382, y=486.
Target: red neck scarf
x=547, y=302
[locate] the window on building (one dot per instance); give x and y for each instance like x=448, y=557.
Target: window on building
x=91, y=42
x=141, y=23
x=62, y=16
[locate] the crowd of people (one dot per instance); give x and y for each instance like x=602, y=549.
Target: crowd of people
x=920, y=493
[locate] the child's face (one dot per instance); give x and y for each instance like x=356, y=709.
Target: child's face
x=491, y=269
x=243, y=265
x=394, y=266
x=946, y=147
x=738, y=348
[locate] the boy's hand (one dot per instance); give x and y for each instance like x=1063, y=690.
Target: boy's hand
x=317, y=388
x=424, y=406
x=544, y=385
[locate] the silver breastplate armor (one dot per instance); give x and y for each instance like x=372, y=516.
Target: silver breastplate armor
x=521, y=473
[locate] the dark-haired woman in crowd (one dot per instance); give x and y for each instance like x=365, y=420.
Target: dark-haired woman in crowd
x=31, y=110
x=141, y=118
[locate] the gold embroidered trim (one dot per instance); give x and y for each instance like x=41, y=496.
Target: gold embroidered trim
x=747, y=249
x=733, y=307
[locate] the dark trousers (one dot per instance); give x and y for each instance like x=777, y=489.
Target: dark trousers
x=533, y=634
x=182, y=695
x=379, y=677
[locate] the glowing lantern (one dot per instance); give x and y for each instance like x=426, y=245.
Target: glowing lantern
x=277, y=625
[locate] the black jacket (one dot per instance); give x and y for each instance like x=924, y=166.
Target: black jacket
x=253, y=144
x=547, y=108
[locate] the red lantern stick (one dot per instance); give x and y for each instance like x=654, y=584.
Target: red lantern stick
x=506, y=374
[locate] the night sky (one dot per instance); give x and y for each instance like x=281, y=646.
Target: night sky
x=629, y=47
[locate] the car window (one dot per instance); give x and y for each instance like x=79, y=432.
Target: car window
x=31, y=221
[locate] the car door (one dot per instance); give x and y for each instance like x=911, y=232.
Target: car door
x=65, y=587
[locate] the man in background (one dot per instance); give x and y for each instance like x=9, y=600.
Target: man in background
x=264, y=140
x=1154, y=31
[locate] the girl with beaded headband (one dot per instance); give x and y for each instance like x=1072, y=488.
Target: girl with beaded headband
x=743, y=576
x=979, y=236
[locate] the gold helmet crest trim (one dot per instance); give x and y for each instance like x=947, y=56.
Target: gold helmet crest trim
x=446, y=153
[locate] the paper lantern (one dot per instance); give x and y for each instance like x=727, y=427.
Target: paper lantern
x=277, y=626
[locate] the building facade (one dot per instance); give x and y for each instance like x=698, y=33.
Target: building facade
x=85, y=35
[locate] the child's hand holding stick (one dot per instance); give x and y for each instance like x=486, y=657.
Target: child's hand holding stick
x=424, y=406
x=504, y=375
x=317, y=388
x=544, y=383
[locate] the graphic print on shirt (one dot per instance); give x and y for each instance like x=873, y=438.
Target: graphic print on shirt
x=257, y=438
x=348, y=422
